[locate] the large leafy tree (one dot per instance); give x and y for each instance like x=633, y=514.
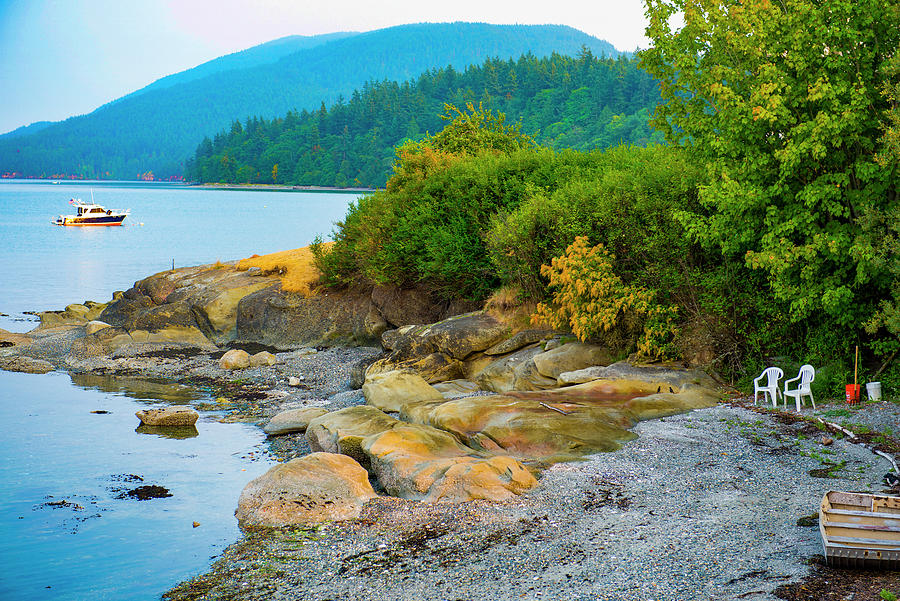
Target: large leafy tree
x=786, y=102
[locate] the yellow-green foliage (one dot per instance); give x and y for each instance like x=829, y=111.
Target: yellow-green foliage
x=591, y=299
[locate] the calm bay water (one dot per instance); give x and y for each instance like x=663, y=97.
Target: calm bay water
x=45, y=267
x=71, y=447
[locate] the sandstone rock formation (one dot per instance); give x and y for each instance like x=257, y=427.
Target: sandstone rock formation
x=262, y=358
x=235, y=359
x=342, y=431
x=292, y=420
x=422, y=463
x=25, y=364
x=315, y=488
x=177, y=415
x=390, y=390
x=204, y=298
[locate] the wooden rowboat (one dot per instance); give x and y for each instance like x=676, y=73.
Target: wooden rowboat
x=860, y=530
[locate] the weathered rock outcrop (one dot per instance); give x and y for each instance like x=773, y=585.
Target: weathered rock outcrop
x=390, y=390
x=440, y=351
x=286, y=320
x=564, y=423
x=315, y=488
x=76, y=314
x=343, y=431
x=515, y=371
x=570, y=357
x=13, y=339
x=404, y=306
x=204, y=298
x=178, y=415
x=293, y=420
x=422, y=463
x=108, y=340
x=25, y=364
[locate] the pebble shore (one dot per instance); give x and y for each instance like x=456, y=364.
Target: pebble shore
x=703, y=505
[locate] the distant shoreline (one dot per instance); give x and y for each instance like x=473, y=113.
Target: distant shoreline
x=278, y=188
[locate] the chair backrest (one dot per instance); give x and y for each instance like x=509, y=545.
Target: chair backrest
x=773, y=374
x=807, y=375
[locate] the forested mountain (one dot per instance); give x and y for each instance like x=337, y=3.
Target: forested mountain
x=252, y=57
x=156, y=130
x=564, y=102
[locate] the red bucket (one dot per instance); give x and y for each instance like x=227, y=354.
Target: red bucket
x=853, y=393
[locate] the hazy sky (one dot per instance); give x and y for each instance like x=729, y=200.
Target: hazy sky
x=60, y=58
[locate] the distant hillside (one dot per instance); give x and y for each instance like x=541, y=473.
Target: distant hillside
x=581, y=102
x=252, y=57
x=159, y=128
x=26, y=130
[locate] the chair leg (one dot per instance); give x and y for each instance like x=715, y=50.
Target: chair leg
x=813, y=399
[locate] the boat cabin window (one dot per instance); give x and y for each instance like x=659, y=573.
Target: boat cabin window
x=97, y=210
x=79, y=210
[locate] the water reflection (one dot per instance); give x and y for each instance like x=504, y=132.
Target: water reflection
x=138, y=388
x=85, y=501
x=173, y=432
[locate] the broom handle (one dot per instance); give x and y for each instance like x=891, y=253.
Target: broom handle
x=855, y=365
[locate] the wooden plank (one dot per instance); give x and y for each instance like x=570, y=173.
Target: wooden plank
x=857, y=526
x=881, y=543
x=863, y=514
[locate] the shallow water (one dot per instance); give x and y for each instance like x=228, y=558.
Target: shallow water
x=46, y=267
x=71, y=449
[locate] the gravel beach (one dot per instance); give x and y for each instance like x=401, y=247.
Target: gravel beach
x=717, y=503
x=703, y=505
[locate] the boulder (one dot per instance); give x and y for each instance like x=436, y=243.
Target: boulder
x=342, y=431
x=287, y=320
x=262, y=358
x=434, y=367
x=358, y=371
x=235, y=359
x=389, y=391
x=514, y=372
x=316, y=488
x=455, y=388
x=422, y=463
x=517, y=341
x=292, y=420
x=177, y=415
x=570, y=357
x=25, y=364
x=676, y=377
x=459, y=336
x=92, y=327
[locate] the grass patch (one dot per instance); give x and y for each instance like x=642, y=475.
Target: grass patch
x=295, y=267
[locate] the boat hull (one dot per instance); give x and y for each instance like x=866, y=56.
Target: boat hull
x=860, y=530
x=87, y=221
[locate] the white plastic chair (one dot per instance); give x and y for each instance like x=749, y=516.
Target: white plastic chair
x=806, y=376
x=772, y=375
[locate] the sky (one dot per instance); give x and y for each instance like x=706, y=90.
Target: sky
x=60, y=58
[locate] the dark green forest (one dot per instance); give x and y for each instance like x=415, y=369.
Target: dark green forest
x=582, y=103
x=158, y=129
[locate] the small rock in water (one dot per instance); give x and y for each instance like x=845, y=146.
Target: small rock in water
x=295, y=381
x=196, y=524
x=100, y=411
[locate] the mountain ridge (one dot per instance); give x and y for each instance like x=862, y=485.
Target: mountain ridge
x=158, y=129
